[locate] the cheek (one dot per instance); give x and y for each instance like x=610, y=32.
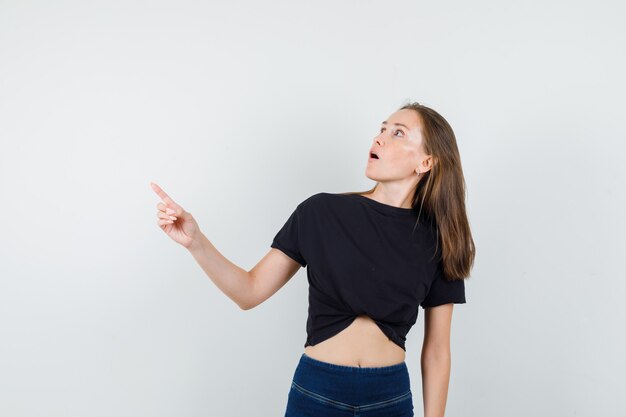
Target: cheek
x=403, y=159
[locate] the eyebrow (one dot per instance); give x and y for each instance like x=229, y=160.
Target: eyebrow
x=398, y=124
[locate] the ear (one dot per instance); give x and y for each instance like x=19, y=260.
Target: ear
x=426, y=164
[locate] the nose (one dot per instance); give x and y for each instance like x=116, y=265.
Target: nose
x=382, y=137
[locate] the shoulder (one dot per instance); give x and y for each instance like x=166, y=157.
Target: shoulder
x=322, y=203
x=325, y=200
x=319, y=199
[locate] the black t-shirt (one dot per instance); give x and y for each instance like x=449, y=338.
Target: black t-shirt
x=364, y=257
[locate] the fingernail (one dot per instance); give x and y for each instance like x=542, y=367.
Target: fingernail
x=172, y=217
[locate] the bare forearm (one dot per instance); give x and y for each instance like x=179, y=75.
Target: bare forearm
x=232, y=280
x=435, y=380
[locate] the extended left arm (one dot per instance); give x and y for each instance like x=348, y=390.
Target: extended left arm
x=436, y=359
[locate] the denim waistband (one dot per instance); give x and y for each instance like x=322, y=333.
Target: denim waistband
x=397, y=368
x=352, y=384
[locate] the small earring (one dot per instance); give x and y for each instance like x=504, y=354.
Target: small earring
x=418, y=172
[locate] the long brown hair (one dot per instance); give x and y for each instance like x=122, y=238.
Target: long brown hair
x=440, y=194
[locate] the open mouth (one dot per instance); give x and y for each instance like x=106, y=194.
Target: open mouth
x=373, y=155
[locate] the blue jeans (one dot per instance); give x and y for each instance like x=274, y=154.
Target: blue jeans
x=321, y=389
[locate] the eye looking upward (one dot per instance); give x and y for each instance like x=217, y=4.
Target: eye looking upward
x=395, y=131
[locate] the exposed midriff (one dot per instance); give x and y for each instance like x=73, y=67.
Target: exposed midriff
x=361, y=344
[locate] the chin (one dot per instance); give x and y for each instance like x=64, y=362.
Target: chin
x=371, y=173
x=373, y=177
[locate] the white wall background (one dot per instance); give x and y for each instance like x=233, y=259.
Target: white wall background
x=240, y=110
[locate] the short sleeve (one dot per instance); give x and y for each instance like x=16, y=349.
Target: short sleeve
x=443, y=291
x=288, y=237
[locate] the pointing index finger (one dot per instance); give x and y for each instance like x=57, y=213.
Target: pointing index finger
x=162, y=194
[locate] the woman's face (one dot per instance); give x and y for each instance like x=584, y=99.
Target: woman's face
x=399, y=149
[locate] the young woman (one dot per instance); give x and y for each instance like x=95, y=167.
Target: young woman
x=372, y=259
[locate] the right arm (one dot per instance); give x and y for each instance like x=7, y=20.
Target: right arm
x=246, y=288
